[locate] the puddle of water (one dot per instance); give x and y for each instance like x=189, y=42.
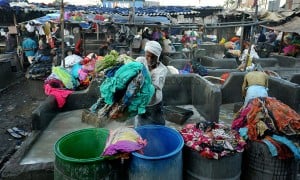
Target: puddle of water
x=66, y=122
x=63, y=123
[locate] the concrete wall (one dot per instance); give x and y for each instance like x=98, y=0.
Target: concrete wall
x=180, y=63
x=46, y=111
x=295, y=78
x=266, y=62
x=192, y=89
x=286, y=61
x=6, y=75
x=283, y=90
x=213, y=50
x=226, y=63
x=232, y=88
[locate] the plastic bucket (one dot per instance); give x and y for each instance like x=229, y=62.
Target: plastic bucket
x=161, y=158
x=77, y=155
x=197, y=167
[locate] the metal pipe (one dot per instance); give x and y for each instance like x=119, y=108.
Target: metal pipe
x=235, y=25
x=62, y=26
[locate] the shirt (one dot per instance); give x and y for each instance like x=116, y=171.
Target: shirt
x=254, y=78
x=158, y=77
x=29, y=47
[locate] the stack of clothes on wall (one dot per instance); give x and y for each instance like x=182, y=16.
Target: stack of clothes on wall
x=76, y=75
x=212, y=140
x=273, y=123
x=189, y=67
x=126, y=89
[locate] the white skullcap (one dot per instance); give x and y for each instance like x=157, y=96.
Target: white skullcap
x=153, y=47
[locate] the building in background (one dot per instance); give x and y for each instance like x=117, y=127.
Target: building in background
x=292, y=4
x=270, y=5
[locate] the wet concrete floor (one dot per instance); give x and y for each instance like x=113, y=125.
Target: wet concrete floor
x=66, y=122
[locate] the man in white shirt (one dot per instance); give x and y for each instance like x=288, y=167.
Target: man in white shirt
x=158, y=72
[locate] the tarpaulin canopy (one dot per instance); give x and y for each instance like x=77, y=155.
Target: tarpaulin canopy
x=275, y=16
x=290, y=26
x=4, y=4
x=141, y=19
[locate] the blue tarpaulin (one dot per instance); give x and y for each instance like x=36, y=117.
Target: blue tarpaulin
x=141, y=19
x=4, y=4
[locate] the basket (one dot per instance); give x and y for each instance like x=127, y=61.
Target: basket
x=176, y=114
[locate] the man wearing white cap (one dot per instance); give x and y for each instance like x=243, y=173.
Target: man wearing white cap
x=158, y=71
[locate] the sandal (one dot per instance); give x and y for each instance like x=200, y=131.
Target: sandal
x=14, y=134
x=20, y=131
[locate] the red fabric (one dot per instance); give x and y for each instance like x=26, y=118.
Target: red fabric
x=78, y=46
x=59, y=94
x=51, y=43
x=224, y=76
x=99, y=17
x=234, y=39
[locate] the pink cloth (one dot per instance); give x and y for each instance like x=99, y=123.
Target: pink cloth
x=59, y=94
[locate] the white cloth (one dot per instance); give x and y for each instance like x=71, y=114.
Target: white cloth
x=158, y=76
x=167, y=46
x=255, y=91
x=153, y=47
x=173, y=70
x=29, y=28
x=71, y=60
x=253, y=54
x=144, y=42
x=40, y=30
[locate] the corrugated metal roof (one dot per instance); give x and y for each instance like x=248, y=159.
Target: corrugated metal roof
x=290, y=26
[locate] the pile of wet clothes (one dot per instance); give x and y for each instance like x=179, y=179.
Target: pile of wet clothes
x=212, y=140
x=273, y=123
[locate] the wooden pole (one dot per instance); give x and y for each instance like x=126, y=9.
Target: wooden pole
x=242, y=35
x=20, y=56
x=281, y=43
x=62, y=26
x=251, y=37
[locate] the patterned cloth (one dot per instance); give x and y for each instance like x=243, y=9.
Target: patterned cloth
x=266, y=117
x=212, y=140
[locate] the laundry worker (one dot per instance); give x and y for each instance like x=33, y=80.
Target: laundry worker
x=255, y=85
x=158, y=72
x=30, y=47
x=250, y=56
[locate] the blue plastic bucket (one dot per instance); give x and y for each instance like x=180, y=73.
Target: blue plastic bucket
x=161, y=158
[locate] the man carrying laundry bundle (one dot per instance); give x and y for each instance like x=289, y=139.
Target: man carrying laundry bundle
x=158, y=72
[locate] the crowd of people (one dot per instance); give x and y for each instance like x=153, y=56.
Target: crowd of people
x=264, y=44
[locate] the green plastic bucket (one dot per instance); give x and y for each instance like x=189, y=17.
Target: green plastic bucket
x=78, y=155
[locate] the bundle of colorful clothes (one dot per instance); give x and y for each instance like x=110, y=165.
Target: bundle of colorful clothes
x=123, y=141
x=212, y=140
x=76, y=75
x=272, y=122
x=126, y=89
